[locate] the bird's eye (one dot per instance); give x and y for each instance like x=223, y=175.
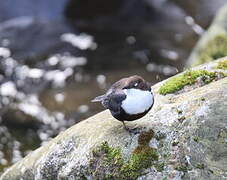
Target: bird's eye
x=136, y=84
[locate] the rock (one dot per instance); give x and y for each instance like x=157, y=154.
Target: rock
x=40, y=9
x=103, y=15
x=19, y=118
x=182, y=137
x=32, y=30
x=34, y=39
x=202, y=11
x=213, y=43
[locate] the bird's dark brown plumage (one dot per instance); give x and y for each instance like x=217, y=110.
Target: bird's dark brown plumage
x=114, y=97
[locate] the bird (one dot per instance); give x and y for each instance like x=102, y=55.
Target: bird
x=128, y=99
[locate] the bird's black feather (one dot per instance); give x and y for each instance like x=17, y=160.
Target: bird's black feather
x=113, y=101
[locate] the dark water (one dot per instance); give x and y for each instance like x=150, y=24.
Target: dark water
x=49, y=71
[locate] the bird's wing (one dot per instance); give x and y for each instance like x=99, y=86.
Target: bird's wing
x=114, y=100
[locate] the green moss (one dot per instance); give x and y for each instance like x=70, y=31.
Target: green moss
x=159, y=166
x=108, y=163
x=111, y=153
x=196, y=138
x=181, y=119
x=203, y=99
x=183, y=168
x=222, y=65
x=179, y=111
x=2, y=168
x=175, y=143
x=142, y=158
x=200, y=166
x=188, y=78
x=222, y=136
x=215, y=48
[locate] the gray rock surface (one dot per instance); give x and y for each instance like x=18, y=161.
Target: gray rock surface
x=188, y=131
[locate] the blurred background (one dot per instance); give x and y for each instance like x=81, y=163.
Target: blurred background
x=55, y=56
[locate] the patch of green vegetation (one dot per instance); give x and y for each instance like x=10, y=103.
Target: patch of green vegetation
x=159, y=166
x=179, y=111
x=203, y=99
x=175, y=143
x=188, y=78
x=215, y=48
x=222, y=136
x=200, y=166
x=196, y=138
x=1, y=168
x=183, y=168
x=166, y=155
x=222, y=65
x=181, y=119
x=108, y=163
x=143, y=157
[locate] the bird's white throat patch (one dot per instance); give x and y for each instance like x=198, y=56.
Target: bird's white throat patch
x=137, y=101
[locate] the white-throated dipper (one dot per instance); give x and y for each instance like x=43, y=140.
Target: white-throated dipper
x=128, y=99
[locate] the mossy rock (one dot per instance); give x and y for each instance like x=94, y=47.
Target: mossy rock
x=222, y=65
x=159, y=145
x=188, y=78
x=215, y=48
x=213, y=43
x=108, y=163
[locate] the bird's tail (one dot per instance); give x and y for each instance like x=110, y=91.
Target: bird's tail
x=99, y=98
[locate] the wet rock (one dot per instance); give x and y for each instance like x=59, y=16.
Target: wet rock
x=213, y=43
x=40, y=9
x=33, y=39
x=89, y=10
x=17, y=117
x=32, y=30
x=101, y=15
x=182, y=137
